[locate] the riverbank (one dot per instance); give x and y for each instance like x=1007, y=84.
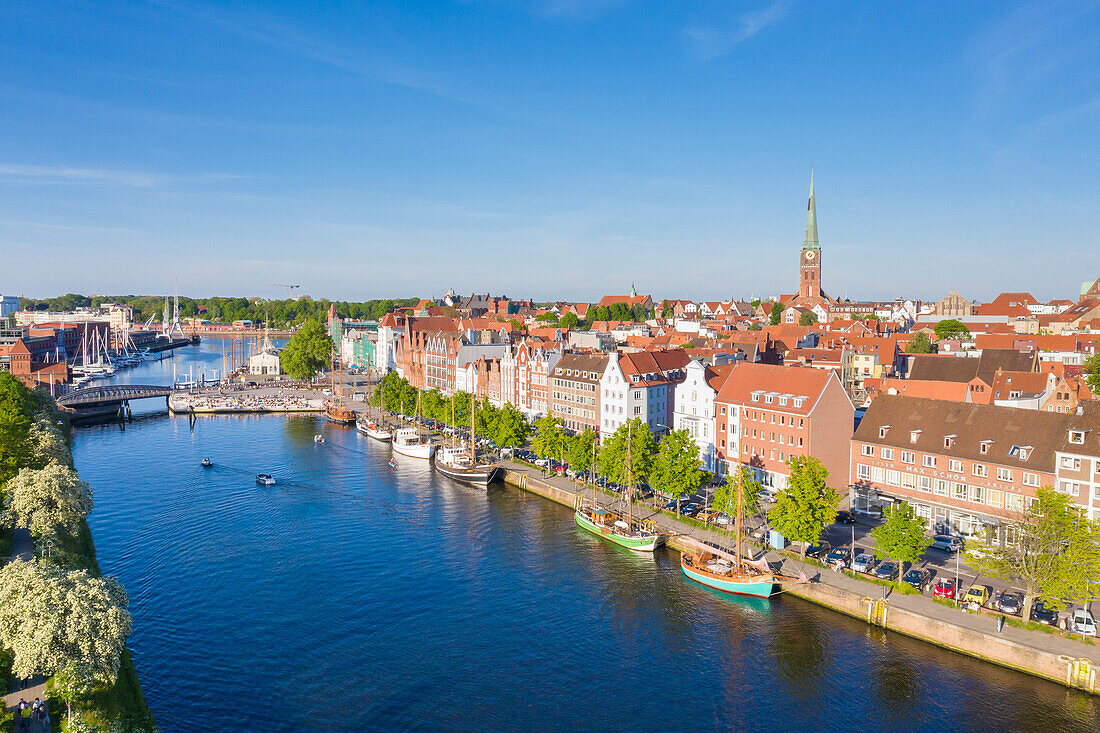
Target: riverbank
x=1052, y=657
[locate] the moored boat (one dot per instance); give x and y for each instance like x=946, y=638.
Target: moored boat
x=373, y=430
x=617, y=528
x=726, y=575
x=457, y=464
x=408, y=442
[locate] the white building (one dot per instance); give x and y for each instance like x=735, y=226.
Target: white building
x=640, y=385
x=693, y=407
x=265, y=362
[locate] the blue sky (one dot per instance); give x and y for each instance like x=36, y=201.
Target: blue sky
x=548, y=148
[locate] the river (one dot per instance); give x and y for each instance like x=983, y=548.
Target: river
x=352, y=597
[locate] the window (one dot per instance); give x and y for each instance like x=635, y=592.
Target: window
x=925, y=484
x=1071, y=463
x=908, y=457
x=893, y=478
x=888, y=454
x=908, y=480
x=1069, y=487
x=994, y=498
x=958, y=491
x=929, y=461
x=914, y=436
x=869, y=450
x=949, y=440
x=883, y=430
x=1077, y=437
x=1031, y=479
x=979, y=469
x=955, y=465
x=941, y=487
x=768, y=400
x=878, y=474
x=1004, y=474
x=863, y=471
x=976, y=494
x=984, y=447
x=1015, y=502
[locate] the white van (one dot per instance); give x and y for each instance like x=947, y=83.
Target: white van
x=1083, y=623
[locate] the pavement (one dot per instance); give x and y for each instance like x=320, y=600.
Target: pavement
x=985, y=622
x=22, y=548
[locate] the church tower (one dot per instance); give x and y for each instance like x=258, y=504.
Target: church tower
x=810, y=258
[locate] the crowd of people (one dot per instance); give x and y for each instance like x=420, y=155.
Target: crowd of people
x=32, y=717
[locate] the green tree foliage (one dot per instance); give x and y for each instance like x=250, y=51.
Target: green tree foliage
x=16, y=411
x=807, y=319
x=579, y=451
x=901, y=536
x=50, y=500
x=611, y=460
x=666, y=309
x=755, y=302
x=676, y=470
x=48, y=444
x=569, y=321
x=776, y=316
x=1055, y=555
x=1091, y=370
x=51, y=618
x=308, y=351
x=807, y=505
x=550, y=438
x=951, y=328
x=725, y=498
x=511, y=427
x=920, y=344
x=547, y=317
x=618, y=312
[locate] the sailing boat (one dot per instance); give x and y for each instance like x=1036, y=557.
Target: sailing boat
x=335, y=410
x=733, y=575
x=409, y=442
x=614, y=525
x=462, y=464
x=376, y=430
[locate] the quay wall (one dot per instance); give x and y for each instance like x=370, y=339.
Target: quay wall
x=1077, y=673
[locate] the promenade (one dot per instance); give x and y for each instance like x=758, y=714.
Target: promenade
x=22, y=548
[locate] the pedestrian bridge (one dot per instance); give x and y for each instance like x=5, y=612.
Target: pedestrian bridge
x=110, y=394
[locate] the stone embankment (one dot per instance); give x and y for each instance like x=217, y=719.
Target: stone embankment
x=1051, y=656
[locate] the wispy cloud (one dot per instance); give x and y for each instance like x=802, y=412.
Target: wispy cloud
x=48, y=175
x=710, y=42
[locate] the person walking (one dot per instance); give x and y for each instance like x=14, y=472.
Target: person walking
x=19, y=714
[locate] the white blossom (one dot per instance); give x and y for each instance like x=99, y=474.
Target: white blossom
x=49, y=499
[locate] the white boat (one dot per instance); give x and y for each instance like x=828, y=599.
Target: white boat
x=408, y=442
x=374, y=430
x=264, y=479
x=457, y=463
x=318, y=438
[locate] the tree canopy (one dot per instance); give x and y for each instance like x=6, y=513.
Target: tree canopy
x=308, y=351
x=725, y=498
x=569, y=320
x=807, y=505
x=16, y=410
x=951, y=328
x=807, y=319
x=49, y=500
x=776, y=315
x=920, y=344
x=579, y=450
x=901, y=536
x=1091, y=370
x=510, y=428
x=612, y=457
x=676, y=470
x=550, y=438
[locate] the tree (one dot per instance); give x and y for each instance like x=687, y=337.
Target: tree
x=776, y=313
x=807, y=505
x=951, y=328
x=579, y=451
x=612, y=457
x=510, y=428
x=1055, y=553
x=547, y=317
x=569, y=320
x=920, y=344
x=1091, y=369
x=549, y=440
x=51, y=618
x=308, y=351
x=676, y=469
x=618, y=312
x=666, y=309
x=73, y=683
x=725, y=498
x=901, y=536
x=807, y=319
x=15, y=424
x=49, y=500
x=48, y=442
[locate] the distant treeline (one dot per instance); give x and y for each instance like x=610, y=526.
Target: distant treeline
x=226, y=310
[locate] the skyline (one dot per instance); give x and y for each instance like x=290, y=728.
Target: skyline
x=558, y=150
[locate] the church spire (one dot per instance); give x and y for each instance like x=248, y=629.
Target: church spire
x=633, y=292
x=810, y=241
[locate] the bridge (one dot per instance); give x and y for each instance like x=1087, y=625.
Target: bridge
x=109, y=399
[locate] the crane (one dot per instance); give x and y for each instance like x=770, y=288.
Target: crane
x=286, y=285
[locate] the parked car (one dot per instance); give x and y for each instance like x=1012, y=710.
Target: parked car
x=1011, y=602
x=946, y=543
x=1083, y=623
x=541, y=462
x=708, y=515
x=839, y=556
x=1043, y=615
x=723, y=519
x=918, y=579
x=886, y=570
x=671, y=506
x=979, y=594
x=690, y=509
x=864, y=562
x=820, y=550
x=944, y=588
x=845, y=517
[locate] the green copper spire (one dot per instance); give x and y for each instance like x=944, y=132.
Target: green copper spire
x=810, y=242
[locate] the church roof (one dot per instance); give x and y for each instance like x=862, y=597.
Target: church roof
x=810, y=241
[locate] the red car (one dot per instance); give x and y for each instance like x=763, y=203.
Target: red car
x=945, y=588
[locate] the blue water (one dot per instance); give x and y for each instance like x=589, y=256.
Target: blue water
x=352, y=597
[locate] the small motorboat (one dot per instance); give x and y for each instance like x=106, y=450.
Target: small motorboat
x=393, y=463
x=265, y=479
x=207, y=463
x=318, y=438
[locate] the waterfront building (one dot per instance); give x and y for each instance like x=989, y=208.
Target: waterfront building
x=525, y=374
x=575, y=390
x=640, y=385
x=265, y=362
x=770, y=414
x=694, y=409
x=970, y=467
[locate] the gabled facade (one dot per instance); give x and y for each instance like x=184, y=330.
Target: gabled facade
x=694, y=409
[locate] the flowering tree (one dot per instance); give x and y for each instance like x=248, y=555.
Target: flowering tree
x=51, y=618
x=49, y=499
x=48, y=443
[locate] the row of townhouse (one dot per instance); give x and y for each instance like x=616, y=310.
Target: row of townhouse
x=640, y=385
x=972, y=466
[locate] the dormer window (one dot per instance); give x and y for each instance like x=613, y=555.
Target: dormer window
x=756, y=395
x=914, y=436
x=798, y=401
x=783, y=401
x=983, y=447
x=1077, y=437
x=768, y=398
x=883, y=430
x=1025, y=452
x=949, y=440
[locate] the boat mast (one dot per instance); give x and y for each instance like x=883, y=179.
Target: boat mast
x=592, y=475
x=473, y=428
x=737, y=519
x=454, y=424
x=629, y=478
